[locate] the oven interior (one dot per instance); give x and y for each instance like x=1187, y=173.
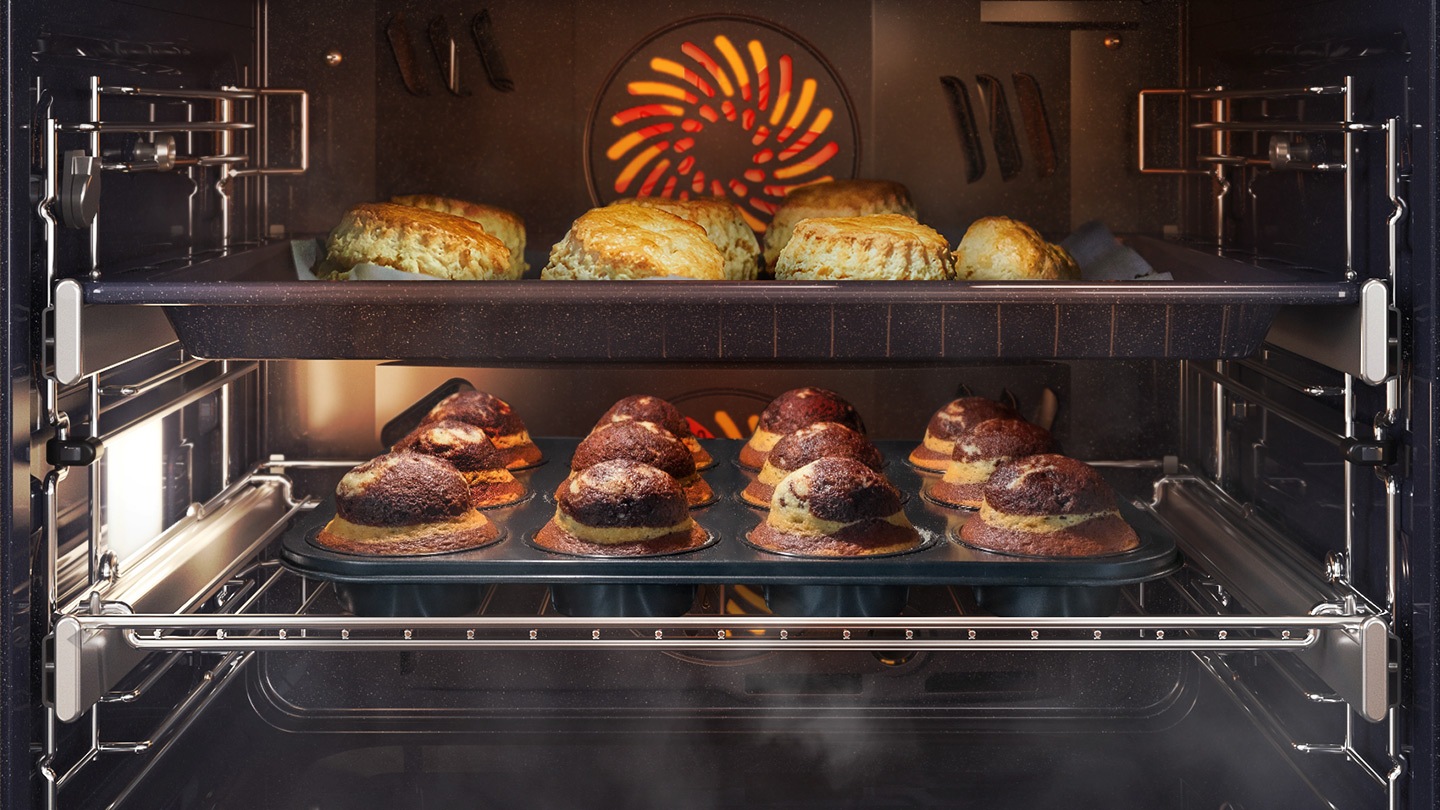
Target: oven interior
x=1279, y=135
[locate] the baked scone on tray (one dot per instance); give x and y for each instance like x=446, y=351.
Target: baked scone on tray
x=1004, y=249
x=414, y=241
x=628, y=242
x=507, y=226
x=837, y=198
x=723, y=224
x=877, y=247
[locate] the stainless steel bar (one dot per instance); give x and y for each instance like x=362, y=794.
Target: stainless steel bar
x=1299, y=386
x=191, y=397
x=94, y=227
x=209, y=681
x=1248, y=393
x=304, y=138
x=1347, y=143
x=149, y=127
x=180, y=728
x=282, y=621
x=133, y=694
x=1278, y=92
x=252, y=644
x=179, y=162
x=236, y=93
x=306, y=464
x=1286, y=126
x=151, y=383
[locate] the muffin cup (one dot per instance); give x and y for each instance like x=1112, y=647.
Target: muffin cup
x=1026, y=601
x=394, y=600
x=622, y=600
x=823, y=601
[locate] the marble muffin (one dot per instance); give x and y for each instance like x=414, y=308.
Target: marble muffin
x=494, y=416
x=981, y=451
x=649, y=408
x=1049, y=506
x=405, y=504
x=950, y=423
x=621, y=508
x=810, y=443
x=835, y=507
x=647, y=443
x=791, y=411
x=473, y=454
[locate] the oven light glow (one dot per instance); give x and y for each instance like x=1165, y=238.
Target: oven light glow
x=134, y=497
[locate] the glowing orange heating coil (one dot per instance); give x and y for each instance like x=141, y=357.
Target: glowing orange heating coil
x=719, y=87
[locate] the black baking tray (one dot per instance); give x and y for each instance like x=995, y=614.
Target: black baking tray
x=943, y=561
x=248, y=304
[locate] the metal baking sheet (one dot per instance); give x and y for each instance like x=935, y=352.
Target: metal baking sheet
x=247, y=304
x=730, y=560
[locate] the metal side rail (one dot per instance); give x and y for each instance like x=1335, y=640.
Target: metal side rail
x=197, y=560
x=1252, y=562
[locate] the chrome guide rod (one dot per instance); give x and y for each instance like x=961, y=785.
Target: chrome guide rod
x=95, y=152
x=95, y=475
x=1348, y=145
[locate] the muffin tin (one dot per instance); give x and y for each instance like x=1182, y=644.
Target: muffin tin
x=645, y=586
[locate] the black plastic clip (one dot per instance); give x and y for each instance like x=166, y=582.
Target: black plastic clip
x=1368, y=453
x=73, y=452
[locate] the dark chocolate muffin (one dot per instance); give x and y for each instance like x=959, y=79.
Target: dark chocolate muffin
x=809, y=443
x=647, y=408
x=835, y=507
x=791, y=411
x=473, y=454
x=950, y=423
x=405, y=503
x=1049, y=506
x=621, y=508
x=980, y=452
x=494, y=416
x=647, y=443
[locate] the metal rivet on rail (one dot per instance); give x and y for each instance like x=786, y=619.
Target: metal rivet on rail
x=595, y=634
x=1224, y=634
x=470, y=635
x=909, y=634
x=845, y=635
x=282, y=634
x=659, y=635
x=534, y=634
x=409, y=634
x=1284, y=634
x=1034, y=634
x=220, y=634
x=1159, y=634
x=156, y=633
x=1097, y=635
x=344, y=635
x=970, y=634
x=784, y=634
x=720, y=634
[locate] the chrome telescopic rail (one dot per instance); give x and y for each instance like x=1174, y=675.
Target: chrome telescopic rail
x=199, y=633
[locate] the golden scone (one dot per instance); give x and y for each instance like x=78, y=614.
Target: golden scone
x=1004, y=249
x=724, y=225
x=839, y=198
x=871, y=248
x=415, y=240
x=630, y=242
x=504, y=225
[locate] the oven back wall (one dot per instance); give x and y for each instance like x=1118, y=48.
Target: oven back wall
x=745, y=102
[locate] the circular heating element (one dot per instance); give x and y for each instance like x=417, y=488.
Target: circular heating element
x=720, y=106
